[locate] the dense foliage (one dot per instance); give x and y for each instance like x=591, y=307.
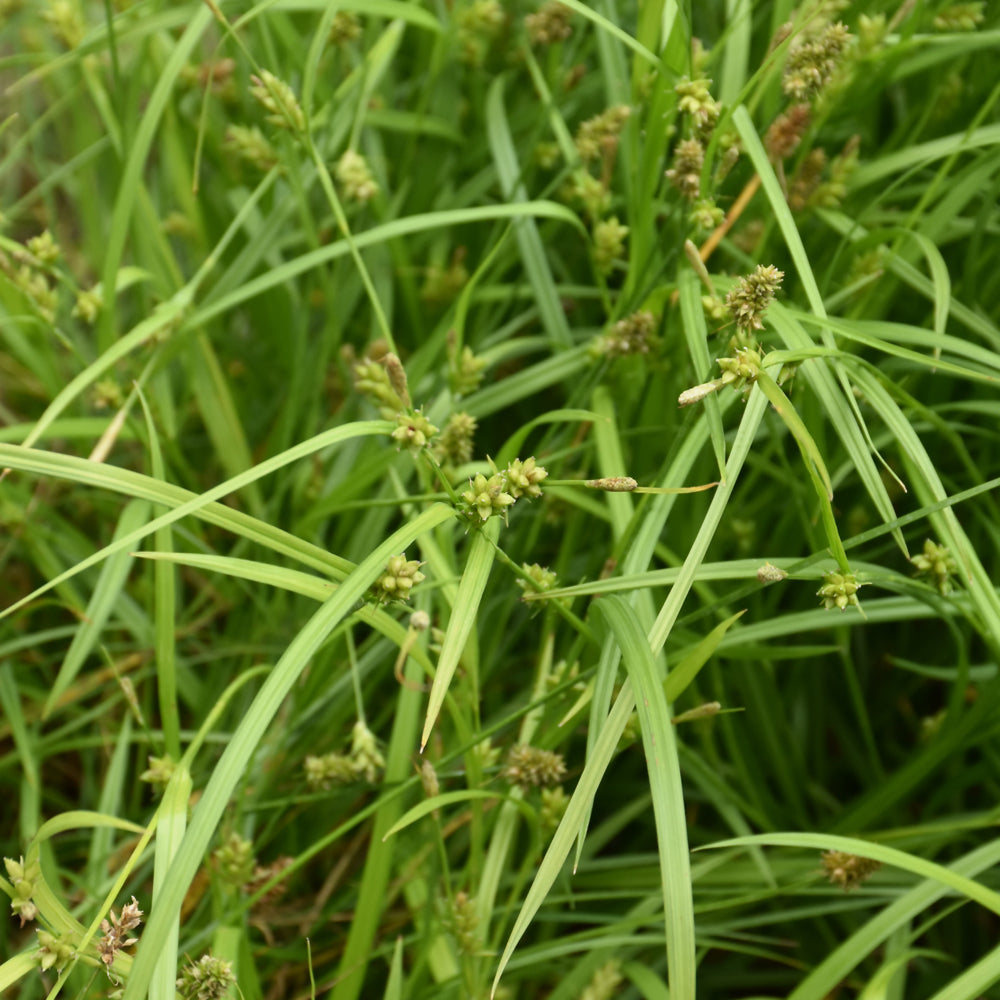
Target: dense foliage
x=499, y=496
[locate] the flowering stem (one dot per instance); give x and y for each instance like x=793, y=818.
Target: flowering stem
x=442, y=479
x=578, y=623
x=609, y=486
x=338, y=213
x=675, y=489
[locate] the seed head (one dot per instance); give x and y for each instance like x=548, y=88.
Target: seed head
x=368, y=760
x=414, y=431
x=741, y=369
x=553, y=808
x=463, y=922
x=478, y=24
x=812, y=61
x=55, y=953
x=88, y=304
x=770, y=574
x=960, y=17
x=751, y=295
x=695, y=100
x=589, y=191
x=528, y=767
x=685, y=174
x=785, y=133
x=429, y=779
x=159, y=772
x=330, y=769
x=698, y=392
x=541, y=576
x=598, y=136
x=23, y=876
x=116, y=931
x=937, y=563
x=277, y=98
x=208, y=978
x=613, y=484
x=263, y=874
x=44, y=248
x=609, y=243
x=523, y=478
x=807, y=180
x=848, y=870
x=453, y=446
x=372, y=379
x=486, y=496
x=872, y=30
x=345, y=27
x=354, y=177
x=66, y=20
x=251, y=146
x=400, y=576
x=235, y=860
x=464, y=368
x=705, y=214
x=604, y=983
x=840, y=590
x=443, y=284
x=549, y=24
x=633, y=335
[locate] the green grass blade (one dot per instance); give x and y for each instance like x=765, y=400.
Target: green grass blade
x=606, y=25
x=17, y=968
x=846, y=957
x=108, y=589
x=131, y=181
x=566, y=833
x=877, y=852
x=142, y=487
x=165, y=623
x=463, y=617
x=536, y=264
x=974, y=981
x=659, y=744
x=842, y=411
x=429, y=806
x=230, y=768
x=668, y=613
x=169, y=834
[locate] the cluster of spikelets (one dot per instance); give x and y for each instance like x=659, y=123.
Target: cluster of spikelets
x=848, y=870
x=284, y=112
x=33, y=269
x=384, y=382
x=207, y=978
x=699, y=116
x=840, y=590
x=116, y=932
x=821, y=55
x=633, y=336
x=55, y=952
x=746, y=303
x=529, y=767
x=364, y=762
x=400, y=577
x=937, y=565
x=492, y=495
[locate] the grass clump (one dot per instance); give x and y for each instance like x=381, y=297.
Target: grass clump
x=395, y=600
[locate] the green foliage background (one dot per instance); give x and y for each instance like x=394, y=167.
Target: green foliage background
x=199, y=499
